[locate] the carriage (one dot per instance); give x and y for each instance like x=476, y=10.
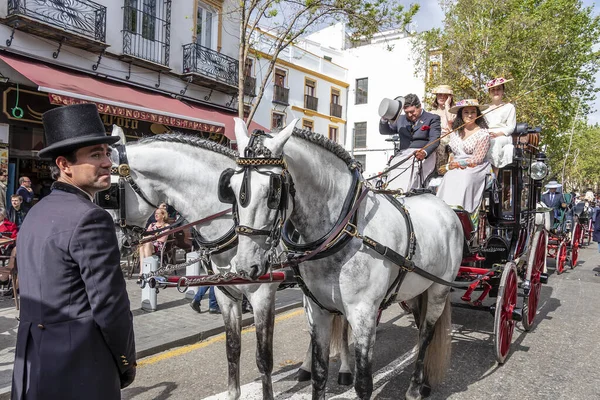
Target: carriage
x=506, y=252
x=565, y=235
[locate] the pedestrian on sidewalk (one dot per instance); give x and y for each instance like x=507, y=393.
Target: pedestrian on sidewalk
x=75, y=337
x=213, y=306
x=596, y=234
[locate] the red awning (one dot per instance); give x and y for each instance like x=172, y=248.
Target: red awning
x=67, y=87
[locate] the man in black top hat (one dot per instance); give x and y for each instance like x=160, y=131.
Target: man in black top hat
x=75, y=339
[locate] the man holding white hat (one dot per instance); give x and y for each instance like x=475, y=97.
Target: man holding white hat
x=552, y=198
x=419, y=133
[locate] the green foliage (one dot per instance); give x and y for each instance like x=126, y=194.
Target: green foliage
x=582, y=166
x=547, y=46
x=290, y=19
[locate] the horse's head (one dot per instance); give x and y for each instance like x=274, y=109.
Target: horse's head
x=260, y=188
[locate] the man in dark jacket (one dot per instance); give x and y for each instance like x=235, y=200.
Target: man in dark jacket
x=417, y=129
x=16, y=212
x=75, y=338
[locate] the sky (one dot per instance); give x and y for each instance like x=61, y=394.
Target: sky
x=431, y=16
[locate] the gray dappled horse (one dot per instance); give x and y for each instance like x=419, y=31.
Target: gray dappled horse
x=184, y=172
x=355, y=279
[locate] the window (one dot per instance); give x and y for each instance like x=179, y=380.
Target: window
x=204, y=26
x=335, y=96
x=362, y=91
x=146, y=24
x=360, y=135
x=149, y=19
x=333, y=133
x=309, y=88
x=280, y=77
x=307, y=124
x=277, y=120
x=248, y=67
x=362, y=159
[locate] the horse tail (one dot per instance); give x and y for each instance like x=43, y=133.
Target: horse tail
x=437, y=356
x=337, y=332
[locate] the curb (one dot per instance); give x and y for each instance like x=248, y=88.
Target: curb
x=203, y=335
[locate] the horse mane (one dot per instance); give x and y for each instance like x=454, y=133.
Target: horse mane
x=191, y=140
x=327, y=144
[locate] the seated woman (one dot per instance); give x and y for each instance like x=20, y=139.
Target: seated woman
x=7, y=228
x=502, y=120
x=464, y=181
x=147, y=249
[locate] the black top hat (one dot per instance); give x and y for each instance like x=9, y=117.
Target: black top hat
x=73, y=127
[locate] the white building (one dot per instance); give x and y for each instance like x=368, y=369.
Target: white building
x=381, y=68
x=150, y=66
x=306, y=85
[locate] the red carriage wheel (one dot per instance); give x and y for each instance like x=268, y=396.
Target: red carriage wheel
x=590, y=230
x=506, y=305
x=561, y=257
x=575, y=244
x=535, y=268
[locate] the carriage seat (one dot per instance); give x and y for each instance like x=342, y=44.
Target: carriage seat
x=465, y=221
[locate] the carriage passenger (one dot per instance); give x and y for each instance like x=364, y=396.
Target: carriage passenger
x=502, y=120
x=444, y=100
x=464, y=181
x=417, y=129
x=147, y=249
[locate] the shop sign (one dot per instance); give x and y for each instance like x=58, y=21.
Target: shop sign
x=140, y=115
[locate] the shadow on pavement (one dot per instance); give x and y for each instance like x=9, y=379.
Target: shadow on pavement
x=165, y=393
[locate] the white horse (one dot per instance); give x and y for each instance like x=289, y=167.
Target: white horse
x=184, y=172
x=354, y=280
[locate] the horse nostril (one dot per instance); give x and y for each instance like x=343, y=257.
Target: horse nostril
x=254, y=272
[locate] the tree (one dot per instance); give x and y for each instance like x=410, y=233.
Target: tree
x=581, y=166
x=547, y=46
x=289, y=20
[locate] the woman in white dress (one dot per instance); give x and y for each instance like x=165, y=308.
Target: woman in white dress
x=502, y=120
x=444, y=100
x=464, y=182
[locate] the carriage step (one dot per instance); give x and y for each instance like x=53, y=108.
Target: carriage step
x=544, y=278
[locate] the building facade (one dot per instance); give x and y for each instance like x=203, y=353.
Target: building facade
x=150, y=66
x=307, y=85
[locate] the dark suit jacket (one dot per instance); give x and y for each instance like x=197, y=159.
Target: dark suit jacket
x=414, y=136
x=556, y=203
x=75, y=337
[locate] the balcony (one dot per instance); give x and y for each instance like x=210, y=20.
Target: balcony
x=311, y=102
x=335, y=110
x=81, y=23
x=147, y=35
x=210, y=68
x=250, y=86
x=281, y=95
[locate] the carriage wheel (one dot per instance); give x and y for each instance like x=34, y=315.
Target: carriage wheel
x=506, y=304
x=561, y=257
x=535, y=268
x=590, y=229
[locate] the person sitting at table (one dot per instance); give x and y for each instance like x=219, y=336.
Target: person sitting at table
x=7, y=228
x=147, y=249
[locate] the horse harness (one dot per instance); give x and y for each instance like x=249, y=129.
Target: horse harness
x=114, y=198
x=281, y=188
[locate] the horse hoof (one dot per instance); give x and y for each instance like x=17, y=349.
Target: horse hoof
x=303, y=375
x=425, y=391
x=345, y=378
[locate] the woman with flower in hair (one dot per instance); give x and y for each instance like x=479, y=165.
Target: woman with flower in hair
x=464, y=181
x=502, y=120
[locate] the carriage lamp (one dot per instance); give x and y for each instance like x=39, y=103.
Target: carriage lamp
x=539, y=169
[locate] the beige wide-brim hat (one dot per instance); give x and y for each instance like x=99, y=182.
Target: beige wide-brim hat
x=467, y=103
x=442, y=89
x=553, y=185
x=391, y=109
x=496, y=82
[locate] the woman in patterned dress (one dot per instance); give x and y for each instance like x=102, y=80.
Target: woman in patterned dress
x=464, y=182
x=147, y=249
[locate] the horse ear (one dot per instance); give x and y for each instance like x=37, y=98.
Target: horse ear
x=285, y=134
x=241, y=135
x=117, y=131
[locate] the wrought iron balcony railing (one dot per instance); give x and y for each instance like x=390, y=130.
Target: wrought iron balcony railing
x=311, y=102
x=335, y=110
x=281, y=95
x=147, y=31
x=83, y=17
x=250, y=86
x=210, y=64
